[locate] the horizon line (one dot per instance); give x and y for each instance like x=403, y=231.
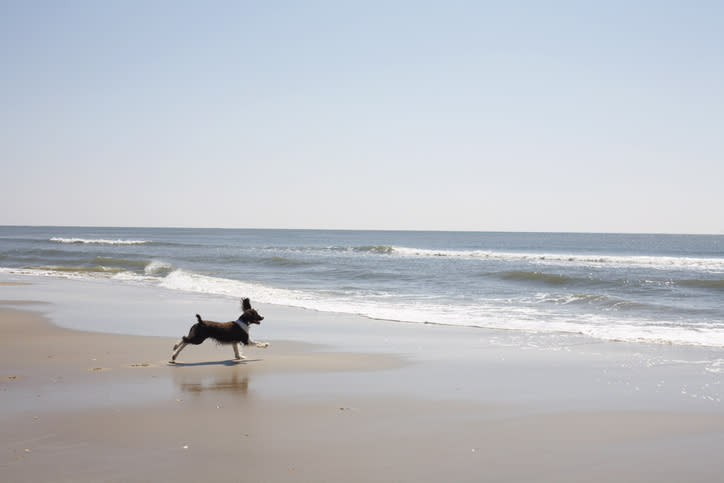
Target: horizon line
x=362, y=229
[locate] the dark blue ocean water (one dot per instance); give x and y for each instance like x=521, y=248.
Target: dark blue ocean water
x=650, y=288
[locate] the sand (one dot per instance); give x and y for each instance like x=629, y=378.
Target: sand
x=79, y=406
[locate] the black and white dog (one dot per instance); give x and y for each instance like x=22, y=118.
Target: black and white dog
x=223, y=332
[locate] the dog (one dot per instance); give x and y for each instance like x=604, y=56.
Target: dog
x=223, y=332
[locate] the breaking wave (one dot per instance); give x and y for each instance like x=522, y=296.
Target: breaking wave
x=715, y=264
x=99, y=269
x=99, y=241
x=157, y=267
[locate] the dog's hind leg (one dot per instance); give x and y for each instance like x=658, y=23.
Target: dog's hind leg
x=180, y=346
x=238, y=355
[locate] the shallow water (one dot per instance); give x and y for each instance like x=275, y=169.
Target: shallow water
x=551, y=371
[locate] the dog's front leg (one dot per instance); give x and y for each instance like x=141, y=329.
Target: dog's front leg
x=238, y=356
x=261, y=345
x=180, y=347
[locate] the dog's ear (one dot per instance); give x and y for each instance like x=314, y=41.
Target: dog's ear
x=245, y=304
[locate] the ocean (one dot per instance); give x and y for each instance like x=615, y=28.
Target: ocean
x=648, y=288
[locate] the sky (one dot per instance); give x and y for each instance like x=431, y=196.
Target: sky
x=576, y=116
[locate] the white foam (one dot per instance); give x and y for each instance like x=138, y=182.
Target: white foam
x=716, y=367
x=47, y=272
x=135, y=278
x=713, y=264
x=98, y=241
x=192, y=282
x=156, y=267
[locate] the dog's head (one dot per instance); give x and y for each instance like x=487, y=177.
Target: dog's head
x=250, y=316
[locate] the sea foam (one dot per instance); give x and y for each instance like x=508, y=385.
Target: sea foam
x=98, y=241
x=712, y=264
x=157, y=267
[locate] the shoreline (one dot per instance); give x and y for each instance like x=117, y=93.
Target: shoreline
x=213, y=301
x=89, y=406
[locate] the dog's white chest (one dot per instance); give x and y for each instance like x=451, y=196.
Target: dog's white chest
x=242, y=324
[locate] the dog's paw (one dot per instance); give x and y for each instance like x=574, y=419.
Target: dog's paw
x=262, y=345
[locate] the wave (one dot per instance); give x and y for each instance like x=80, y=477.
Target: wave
x=47, y=272
x=374, y=249
x=546, y=278
x=121, y=262
x=384, y=249
x=100, y=266
x=716, y=264
x=717, y=285
x=286, y=262
x=98, y=241
x=103, y=264
x=602, y=301
x=555, y=279
x=158, y=267
x=180, y=279
x=99, y=269
x=659, y=262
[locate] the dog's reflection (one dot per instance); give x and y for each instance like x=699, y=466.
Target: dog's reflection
x=235, y=382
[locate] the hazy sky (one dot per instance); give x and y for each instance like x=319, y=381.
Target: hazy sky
x=600, y=116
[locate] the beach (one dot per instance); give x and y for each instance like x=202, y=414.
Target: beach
x=90, y=406
x=484, y=240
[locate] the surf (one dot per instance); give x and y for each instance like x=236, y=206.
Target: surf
x=97, y=241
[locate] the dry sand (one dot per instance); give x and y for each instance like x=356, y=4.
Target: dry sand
x=77, y=406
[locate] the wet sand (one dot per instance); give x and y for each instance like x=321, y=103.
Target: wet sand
x=79, y=406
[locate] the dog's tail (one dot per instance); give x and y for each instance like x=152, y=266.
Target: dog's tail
x=187, y=338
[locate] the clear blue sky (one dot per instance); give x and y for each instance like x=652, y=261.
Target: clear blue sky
x=525, y=116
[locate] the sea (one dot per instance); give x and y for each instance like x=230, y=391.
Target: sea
x=645, y=288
